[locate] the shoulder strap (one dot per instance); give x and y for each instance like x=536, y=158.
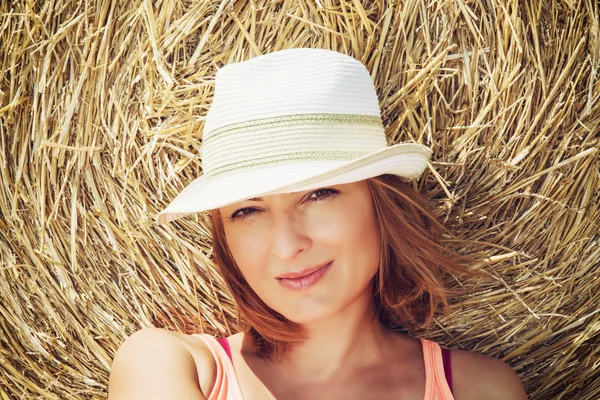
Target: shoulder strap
x=226, y=386
x=436, y=382
x=447, y=367
x=223, y=342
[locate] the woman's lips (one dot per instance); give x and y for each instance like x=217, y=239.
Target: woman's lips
x=303, y=279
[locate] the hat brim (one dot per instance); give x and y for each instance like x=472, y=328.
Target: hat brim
x=407, y=160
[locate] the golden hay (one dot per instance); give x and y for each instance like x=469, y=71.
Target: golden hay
x=101, y=110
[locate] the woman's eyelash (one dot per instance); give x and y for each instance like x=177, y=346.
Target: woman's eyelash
x=235, y=214
x=329, y=192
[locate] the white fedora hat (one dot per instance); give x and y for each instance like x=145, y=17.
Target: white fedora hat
x=290, y=121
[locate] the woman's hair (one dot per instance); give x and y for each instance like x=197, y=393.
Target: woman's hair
x=408, y=289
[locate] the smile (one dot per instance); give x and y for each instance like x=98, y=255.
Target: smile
x=303, y=280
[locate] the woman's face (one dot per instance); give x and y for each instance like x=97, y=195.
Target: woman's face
x=294, y=232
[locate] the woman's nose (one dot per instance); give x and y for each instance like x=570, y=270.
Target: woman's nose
x=290, y=236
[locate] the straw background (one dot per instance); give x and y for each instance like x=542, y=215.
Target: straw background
x=101, y=115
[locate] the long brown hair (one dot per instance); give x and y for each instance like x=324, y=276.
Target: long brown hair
x=409, y=287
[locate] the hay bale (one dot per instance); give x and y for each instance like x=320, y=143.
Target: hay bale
x=101, y=111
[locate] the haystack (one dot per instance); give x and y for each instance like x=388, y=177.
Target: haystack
x=101, y=113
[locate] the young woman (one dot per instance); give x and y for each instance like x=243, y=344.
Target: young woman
x=324, y=245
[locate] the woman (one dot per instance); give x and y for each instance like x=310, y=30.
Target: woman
x=324, y=246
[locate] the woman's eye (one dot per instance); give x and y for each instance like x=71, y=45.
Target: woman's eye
x=317, y=195
x=322, y=194
x=242, y=213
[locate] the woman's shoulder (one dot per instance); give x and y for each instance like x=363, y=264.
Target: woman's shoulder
x=166, y=364
x=477, y=376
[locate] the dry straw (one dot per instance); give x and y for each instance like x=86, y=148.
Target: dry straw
x=101, y=114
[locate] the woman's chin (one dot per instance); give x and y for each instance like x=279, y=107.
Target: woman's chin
x=303, y=317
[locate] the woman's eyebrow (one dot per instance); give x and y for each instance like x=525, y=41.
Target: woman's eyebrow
x=260, y=198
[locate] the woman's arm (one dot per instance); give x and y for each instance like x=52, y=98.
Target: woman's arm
x=154, y=364
x=476, y=376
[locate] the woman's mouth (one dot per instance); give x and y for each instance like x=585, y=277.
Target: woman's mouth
x=304, y=279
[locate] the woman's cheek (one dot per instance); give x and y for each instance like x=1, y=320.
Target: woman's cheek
x=245, y=248
x=326, y=221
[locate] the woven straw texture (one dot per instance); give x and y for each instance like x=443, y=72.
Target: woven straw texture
x=102, y=105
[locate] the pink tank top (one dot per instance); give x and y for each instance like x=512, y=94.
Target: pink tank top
x=437, y=367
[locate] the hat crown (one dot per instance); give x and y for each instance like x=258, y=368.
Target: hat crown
x=293, y=81
x=290, y=106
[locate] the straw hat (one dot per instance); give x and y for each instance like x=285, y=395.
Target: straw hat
x=289, y=121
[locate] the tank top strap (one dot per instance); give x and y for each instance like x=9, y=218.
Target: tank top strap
x=436, y=385
x=225, y=344
x=226, y=386
x=447, y=367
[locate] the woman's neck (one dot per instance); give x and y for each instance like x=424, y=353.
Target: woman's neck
x=336, y=346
